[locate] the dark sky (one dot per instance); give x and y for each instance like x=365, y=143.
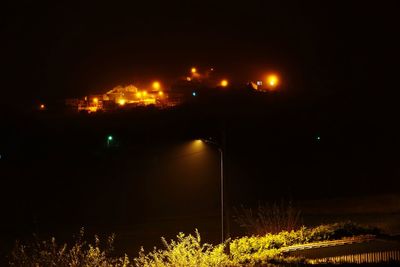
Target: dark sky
x=53, y=50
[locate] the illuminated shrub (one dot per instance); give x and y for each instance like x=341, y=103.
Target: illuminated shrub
x=185, y=251
x=338, y=231
x=249, y=251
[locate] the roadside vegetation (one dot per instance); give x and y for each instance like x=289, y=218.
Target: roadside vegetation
x=186, y=250
x=268, y=218
x=45, y=253
x=270, y=228
x=245, y=251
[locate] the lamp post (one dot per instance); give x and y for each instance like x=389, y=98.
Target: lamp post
x=221, y=153
x=109, y=140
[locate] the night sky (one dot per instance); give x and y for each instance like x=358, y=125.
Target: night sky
x=331, y=130
x=53, y=50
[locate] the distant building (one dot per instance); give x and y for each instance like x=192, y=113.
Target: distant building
x=119, y=97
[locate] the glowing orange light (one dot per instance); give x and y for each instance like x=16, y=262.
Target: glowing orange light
x=188, y=79
x=156, y=85
x=139, y=94
x=160, y=93
x=194, y=70
x=42, y=106
x=144, y=93
x=95, y=100
x=224, y=83
x=122, y=101
x=272, y=80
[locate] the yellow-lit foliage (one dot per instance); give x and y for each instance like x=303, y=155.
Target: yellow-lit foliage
x=244, y=251
x=185, y=251
x=188, y=251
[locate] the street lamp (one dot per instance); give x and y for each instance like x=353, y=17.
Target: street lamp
x=272, y=81
x=156, y=85
x=109, y=140
x=224, y=83
x=221, y=153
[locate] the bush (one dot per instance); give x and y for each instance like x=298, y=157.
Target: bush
x=266, y=248
x=269, y=218
x=81, y=253
x=186, y=251
x=249, y=251
x=338, y=231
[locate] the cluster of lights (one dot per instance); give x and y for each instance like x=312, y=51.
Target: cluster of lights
x=195, y=74
x=271, y=82
x=141, y=94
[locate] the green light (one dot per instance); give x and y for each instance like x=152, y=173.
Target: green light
x=110, y=138
x=318, y=138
